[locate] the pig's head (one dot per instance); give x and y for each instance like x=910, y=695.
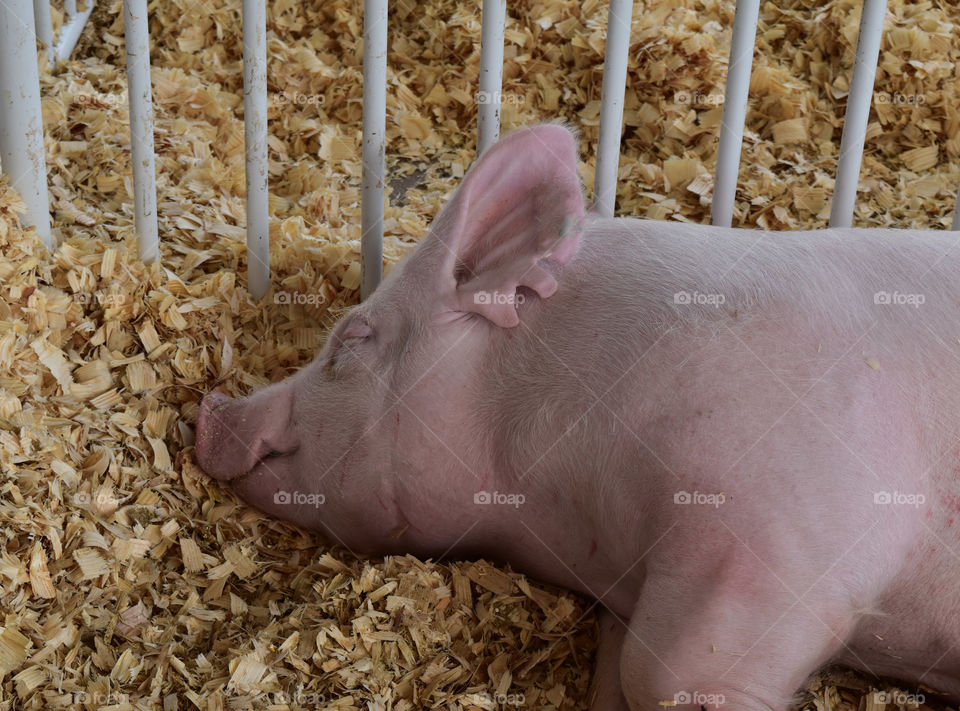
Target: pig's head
x=382, y=421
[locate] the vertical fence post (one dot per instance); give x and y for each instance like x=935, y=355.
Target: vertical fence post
x=22, y=151
x=734, y=111
x=137, y=37
x=611, y=105
x=44, y=25
x=254, y=33
x=858, y=111
x=374, y=143
x=956, y=213
x=494, y=22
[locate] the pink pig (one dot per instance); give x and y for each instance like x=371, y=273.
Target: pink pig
x=744, y=445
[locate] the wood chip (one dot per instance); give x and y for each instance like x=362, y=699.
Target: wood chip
x=790, y=131
x=918, y=159
x=13, y=649
x=40, y=579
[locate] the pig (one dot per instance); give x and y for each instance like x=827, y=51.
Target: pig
x=743, y=445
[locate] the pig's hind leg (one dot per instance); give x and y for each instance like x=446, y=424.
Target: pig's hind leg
x=606, y=691
x=697, y=646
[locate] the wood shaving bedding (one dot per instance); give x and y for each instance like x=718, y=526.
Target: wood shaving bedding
x=129, y=580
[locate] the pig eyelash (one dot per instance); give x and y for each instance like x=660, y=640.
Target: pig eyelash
x=350, y=342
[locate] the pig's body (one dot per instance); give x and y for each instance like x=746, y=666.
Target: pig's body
x=709, y=403
x=789, y=396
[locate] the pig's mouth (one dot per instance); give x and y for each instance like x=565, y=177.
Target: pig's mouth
x=262, y=483
x=264, y=466
x=274, y=454
x=270, y=489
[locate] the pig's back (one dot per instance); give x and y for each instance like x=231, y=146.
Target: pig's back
x=891, y=295
x=841, y=277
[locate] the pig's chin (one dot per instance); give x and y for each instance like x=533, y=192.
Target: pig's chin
x=265, y=492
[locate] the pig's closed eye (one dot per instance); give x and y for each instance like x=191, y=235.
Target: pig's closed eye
x=353, y=336
x=348, y=343
x=358, y=330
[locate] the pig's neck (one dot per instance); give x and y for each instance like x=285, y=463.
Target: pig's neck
x=454, y=492
x=440, y=453
x=438, y=475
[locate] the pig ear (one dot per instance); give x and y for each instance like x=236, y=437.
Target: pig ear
x=514, y=221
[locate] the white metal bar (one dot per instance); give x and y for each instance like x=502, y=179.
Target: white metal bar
x=136, y=34
x=71, y=30
x=255, y=142
x=734, y=111
x=858, y=112
x=956, y=213
x=22, y=153
x=374, y=143
x=44, y=25
x=611, y=109
x=494, y=20
x=70, y=7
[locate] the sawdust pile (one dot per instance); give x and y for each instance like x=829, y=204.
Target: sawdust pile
x=130, y=581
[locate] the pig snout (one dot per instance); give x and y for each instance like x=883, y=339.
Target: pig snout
x=213, y=428
x=233, y=436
